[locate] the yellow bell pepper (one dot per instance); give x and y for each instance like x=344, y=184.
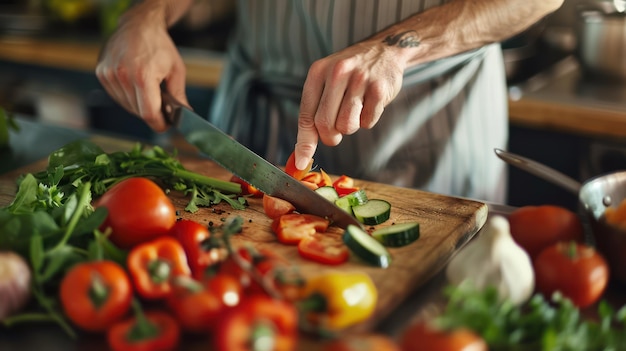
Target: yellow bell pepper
x=336, y=300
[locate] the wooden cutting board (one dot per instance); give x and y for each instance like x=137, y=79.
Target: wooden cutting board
x=446, y=224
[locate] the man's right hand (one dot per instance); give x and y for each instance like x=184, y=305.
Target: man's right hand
x=136, y=59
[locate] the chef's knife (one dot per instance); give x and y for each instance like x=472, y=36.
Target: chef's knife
x=247, y=165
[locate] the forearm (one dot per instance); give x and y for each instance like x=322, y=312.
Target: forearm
x=459, y=26
x=165, y=12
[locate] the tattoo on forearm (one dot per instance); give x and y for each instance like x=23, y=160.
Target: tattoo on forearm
x=406, y=39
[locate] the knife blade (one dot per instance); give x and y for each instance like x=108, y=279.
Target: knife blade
x=247, y=165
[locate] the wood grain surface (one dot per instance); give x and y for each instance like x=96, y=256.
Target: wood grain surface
x=446, y=224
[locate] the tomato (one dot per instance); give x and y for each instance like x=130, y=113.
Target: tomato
x=95, y=295
x=258, y=321
x=156, y=331
x=344, y=185
x=293, y=227
x=275, y=207
x=246, y=188
x=537, y=227
x=577, y=270
x=139, y=211
x=420, y=336
x=362, y=342
x=290, y=167
x=323, y=248
x=198, y=307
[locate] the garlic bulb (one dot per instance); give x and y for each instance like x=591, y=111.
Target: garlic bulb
x=494, y=259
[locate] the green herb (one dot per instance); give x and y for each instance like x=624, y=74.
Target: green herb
x=555, y=325
x=83, y=161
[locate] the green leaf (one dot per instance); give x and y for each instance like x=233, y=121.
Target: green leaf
x=18, y=229
x=26, y=195
x=74, y=153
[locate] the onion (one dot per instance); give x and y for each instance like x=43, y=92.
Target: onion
x=15, y=277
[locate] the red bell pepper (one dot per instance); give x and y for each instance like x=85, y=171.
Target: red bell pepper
x=202, y=249
x=255, y=320
x=198, y=306
x=149, y=331
x=152, y=266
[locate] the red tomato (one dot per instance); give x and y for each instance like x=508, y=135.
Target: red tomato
x=577, y=270
x=320, y=178
x=293, y=227
x=362, y=342
x=420, y=336
x=196, y=307
x=309, y=185
x=127, y=336
x=537, y=227
x=290, y=167
x=344, y=185
x=246, y=188
x=323, y=248
x=242, y=326
x=275, y=207
x=139, y=211
x=95, y=295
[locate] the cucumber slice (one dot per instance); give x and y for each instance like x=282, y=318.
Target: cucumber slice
x=398, y=234
x=328, y=192
x=373, y=212
x=356, y=198
x=366, y=247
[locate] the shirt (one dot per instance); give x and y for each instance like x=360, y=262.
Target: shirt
x=437, y=135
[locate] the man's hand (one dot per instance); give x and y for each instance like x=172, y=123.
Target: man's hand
x=344, y=92
x=135, y=60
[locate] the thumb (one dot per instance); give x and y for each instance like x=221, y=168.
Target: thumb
x=175, y=84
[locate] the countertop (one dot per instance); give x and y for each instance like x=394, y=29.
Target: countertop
x=558, y=100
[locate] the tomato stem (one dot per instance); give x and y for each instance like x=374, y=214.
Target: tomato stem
x=143, y=328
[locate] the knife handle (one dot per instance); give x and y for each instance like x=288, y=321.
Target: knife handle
x=170, y=108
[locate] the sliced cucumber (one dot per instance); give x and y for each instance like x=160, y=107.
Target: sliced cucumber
x=366, y=247
x=373, y=212
x=398, y=234
x=346, y=202
x=328, y=192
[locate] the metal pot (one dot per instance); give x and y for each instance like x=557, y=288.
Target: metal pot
x=594, y=196
x=601, y=34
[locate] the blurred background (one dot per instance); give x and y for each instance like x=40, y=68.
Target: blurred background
x=566, y=79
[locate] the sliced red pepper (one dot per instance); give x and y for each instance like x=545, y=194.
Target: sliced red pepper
x=203, y=250
x=293, y=227
x=253, y=321
x=149, y=331
x=324, y=248
x=320, y=178
x=152, y=266
x=344, y=185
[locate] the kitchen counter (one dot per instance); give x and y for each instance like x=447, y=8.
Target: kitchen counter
x=203, y=67
x=563, y=99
